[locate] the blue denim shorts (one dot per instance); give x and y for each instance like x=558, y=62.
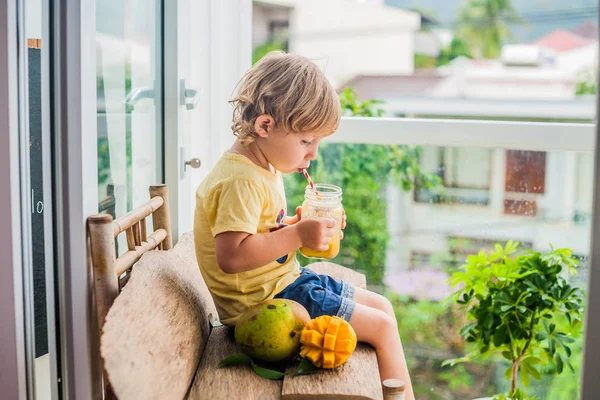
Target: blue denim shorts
x=320, y=294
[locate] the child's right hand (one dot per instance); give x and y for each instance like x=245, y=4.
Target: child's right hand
x=316, y=234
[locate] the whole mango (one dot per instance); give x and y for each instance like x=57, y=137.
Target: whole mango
x=270, y=331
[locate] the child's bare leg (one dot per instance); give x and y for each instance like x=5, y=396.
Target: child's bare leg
x=378, y=328
x=374, y=300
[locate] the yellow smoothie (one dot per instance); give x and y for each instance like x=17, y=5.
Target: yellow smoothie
x=331, y=252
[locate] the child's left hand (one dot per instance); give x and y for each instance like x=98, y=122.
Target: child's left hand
x=298, y=217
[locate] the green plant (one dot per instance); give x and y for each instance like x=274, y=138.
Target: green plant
x=423, y=61
x=362, y=171
x=585, y=87
x=516, y=304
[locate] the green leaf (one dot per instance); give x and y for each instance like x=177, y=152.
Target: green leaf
x=488, y=322
x=508, y=373
x=506, y=354
x=306, y=367
x=562, y=338
x=453, y=361
x=236, y=359
x=559, y=363
x=524, y=375
x=468, y=328
x=534, y=372
x=527, y=364
x=498, y=249
x=266, y=373
x=532, y=360
x=500, y=336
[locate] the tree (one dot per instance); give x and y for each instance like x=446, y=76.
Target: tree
x=483, y=25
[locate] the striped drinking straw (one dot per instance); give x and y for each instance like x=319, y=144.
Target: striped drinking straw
x=310, y=182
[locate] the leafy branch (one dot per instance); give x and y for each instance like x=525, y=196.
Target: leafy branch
x=516, y=303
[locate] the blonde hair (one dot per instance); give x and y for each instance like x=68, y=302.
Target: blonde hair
x=292, y=90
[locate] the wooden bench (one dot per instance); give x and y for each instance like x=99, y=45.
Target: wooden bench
x=159, y=333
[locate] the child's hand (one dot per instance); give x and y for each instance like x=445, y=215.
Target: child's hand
x=316, y=234
x=296, y=218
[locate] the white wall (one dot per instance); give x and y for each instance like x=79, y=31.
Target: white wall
x=347, y=38
x=581, y=60
x=427, y=43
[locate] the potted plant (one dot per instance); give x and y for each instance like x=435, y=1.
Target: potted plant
x=522, y=308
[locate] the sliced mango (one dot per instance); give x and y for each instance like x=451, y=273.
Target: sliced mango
x=327, y=341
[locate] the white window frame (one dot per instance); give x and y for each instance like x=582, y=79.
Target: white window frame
x=73, y=80
x=13, y=379
x=590, y=384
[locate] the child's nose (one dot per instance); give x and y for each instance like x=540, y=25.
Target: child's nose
x=312, y=154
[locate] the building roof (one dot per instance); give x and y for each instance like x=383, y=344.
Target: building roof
x=378, y=86
x=588, y=30
x=562, y=40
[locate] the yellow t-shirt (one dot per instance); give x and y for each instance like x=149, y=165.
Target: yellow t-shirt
x=240, y=196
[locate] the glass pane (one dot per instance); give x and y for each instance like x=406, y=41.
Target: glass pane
x=409, y=246
x=409, y=232
x=128, y=84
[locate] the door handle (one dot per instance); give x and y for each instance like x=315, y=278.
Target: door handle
x=189, y=97
x=194, y=163
x=138, y=94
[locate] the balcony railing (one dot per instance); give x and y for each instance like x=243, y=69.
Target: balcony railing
x=535, y=136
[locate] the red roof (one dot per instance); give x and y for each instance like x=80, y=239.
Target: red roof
x=562, y=40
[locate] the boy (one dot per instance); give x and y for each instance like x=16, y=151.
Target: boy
x=284, y=108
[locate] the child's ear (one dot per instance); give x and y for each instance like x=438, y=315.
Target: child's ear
x=264, y=125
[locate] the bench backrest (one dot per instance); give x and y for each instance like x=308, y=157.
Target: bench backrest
x=154, y=329
x=107, y=267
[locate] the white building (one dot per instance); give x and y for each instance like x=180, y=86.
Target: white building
x=345, y=37
x=537, y=198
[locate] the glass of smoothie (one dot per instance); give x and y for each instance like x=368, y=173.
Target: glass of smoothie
x=323, y=201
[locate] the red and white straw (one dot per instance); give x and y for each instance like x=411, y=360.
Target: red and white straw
x=310, y=181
